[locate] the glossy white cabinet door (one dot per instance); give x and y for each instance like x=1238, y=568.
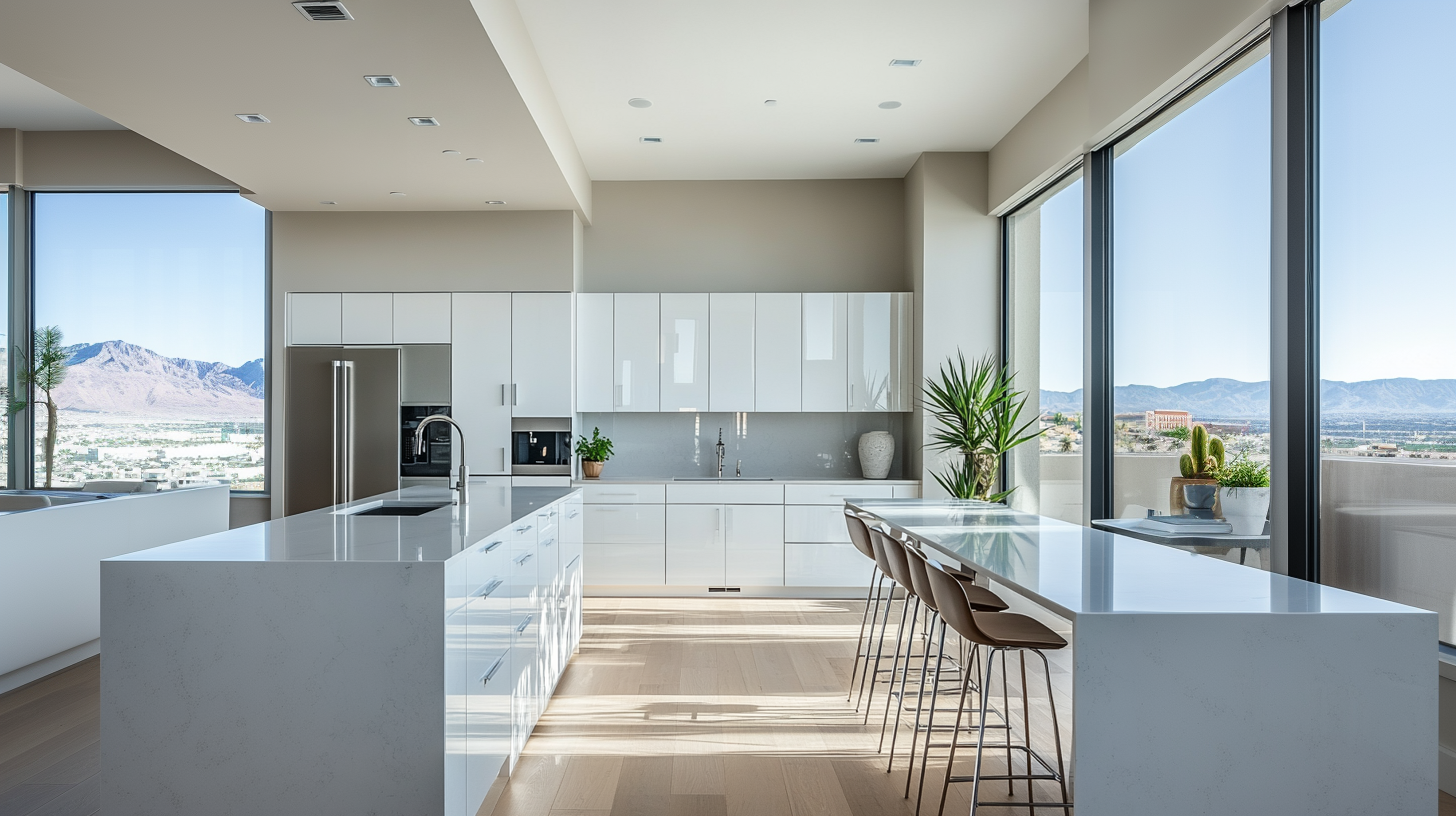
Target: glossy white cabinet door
x=819, y=524
x=903, y=380
x=623, y=564
x=825, y=564
x=457, y=711
x=825, y=386
x=695, y=545
x=731, y=350
x=541, y=345
x=421, y=317
x=778, y=351
x=871, y=378
x=480, y=373
x=684, y=370
x=635, y=352
x=594, y=352
x=315, y=318
x=753, y=544
x=368, y=318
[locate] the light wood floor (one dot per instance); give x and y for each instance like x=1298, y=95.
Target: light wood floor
x=672, y=708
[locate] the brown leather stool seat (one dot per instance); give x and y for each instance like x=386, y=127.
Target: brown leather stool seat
x=982, y=599
x=1015, y=631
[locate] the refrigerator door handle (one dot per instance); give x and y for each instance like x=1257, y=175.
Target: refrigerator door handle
x=343, y=436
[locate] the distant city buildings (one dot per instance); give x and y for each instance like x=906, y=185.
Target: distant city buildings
x=1167, y=420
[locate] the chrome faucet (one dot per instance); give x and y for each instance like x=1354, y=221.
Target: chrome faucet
x=721, y=450
x=464, y=486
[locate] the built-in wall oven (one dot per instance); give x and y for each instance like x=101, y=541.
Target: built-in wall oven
x=435, y=459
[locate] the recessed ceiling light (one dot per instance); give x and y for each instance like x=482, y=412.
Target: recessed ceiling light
x=904, y=63
x=252, y=118
x=396, y=193
x=891, y=105
x=495, y=202
x=424, y=121
x=639, y=102
x=650, y=139
x=866, y=141
x=450, y=152
x=323, y=11
x=382, y=81
x=769, y=103
x=328, y=202
x=474, y=160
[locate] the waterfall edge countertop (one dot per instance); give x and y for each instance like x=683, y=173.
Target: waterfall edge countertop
x=1201, y=686
x=339, y=534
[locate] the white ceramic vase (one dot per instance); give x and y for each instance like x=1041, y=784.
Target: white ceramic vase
x=876, y=452
x=1244, y=508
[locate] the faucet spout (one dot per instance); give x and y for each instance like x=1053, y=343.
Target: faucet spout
x=464, y=485
x=721, y=452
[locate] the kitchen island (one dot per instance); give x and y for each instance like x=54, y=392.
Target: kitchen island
x=1200, y=686
x=390, y=655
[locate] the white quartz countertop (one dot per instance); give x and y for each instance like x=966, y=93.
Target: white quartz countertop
x=732, y=480
x=1077, y=571
x=327, y=535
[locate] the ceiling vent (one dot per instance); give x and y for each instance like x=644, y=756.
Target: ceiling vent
x=866, y=141
x=651, y=140
x=252, y=118
x=903, y=63
x=323, y=11
x=424, y=121
x=382, y=81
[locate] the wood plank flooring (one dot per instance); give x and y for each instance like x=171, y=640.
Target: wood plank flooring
x=713, y=707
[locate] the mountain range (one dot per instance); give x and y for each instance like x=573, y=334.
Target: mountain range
x=117, y=377
x=1234, y=399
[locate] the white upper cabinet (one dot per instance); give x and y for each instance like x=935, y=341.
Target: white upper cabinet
x=368, y=318
x=541, y=375
x=777, y=351
x=635, y=352
x=421, y=317
x=480, y=373
x=315, y=319
x=684, y=369
x=731, y=352
x=880, y=345
x=594, y=352
x=824, y=355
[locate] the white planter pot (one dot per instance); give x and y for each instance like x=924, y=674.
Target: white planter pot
x=876, y=452
x=1244, y=508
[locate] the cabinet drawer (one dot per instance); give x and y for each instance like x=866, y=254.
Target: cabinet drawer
x=815, y=523
x=625, y=523
x=907, y=491
x=831, y=565
x=623, y=493
x=835, y=493
x=719, y=493
x=624, y=565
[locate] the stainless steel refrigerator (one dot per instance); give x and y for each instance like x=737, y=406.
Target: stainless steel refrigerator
x=341, y=438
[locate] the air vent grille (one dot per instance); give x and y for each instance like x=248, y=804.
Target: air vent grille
x=424, y=121
x=866, y=141
x=651, y=139
x=382, y=81
x=253, y=118
x=323, y=11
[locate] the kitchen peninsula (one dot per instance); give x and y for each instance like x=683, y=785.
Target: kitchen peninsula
x=389, y=655
x=1203, y=686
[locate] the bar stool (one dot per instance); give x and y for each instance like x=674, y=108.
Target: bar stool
x=859, y=536
x=997, y=632
x=879, y=545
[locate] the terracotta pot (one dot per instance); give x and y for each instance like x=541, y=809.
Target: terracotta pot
x=590, y=469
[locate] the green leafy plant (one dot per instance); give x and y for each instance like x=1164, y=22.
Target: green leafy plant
x=44, y=372
x=1243, y=472
x=1205, y=457
x=978, y=411
x=1180, y=434
x=596, y=449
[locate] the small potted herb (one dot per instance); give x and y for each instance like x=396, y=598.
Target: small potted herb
x=1243, y=490
x=592, y=453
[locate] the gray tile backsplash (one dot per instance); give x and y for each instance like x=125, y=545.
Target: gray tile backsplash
x=786, y=446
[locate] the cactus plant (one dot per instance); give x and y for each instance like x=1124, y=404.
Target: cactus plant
x=1206, y=456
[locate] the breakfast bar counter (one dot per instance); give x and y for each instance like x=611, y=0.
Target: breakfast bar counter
x=1201, y=686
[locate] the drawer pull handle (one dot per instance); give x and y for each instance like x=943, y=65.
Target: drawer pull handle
x=490, y=672
x=489, y=547
x=573, y=514
x=548, y=542
x=523, y=528
x=521, y=627
x=616, y=494
x=485, y=591
x=521, y=562
x=573, y=562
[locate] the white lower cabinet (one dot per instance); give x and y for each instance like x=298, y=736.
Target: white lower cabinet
x=695, y=545
x=753, y=544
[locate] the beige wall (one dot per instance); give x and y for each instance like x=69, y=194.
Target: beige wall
x=953, y=258
x=92, y=159
x=747, y=236
x=1044, y=141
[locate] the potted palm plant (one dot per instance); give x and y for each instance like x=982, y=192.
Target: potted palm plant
x=978, y=411
x=593, y=453
x=1243, y=492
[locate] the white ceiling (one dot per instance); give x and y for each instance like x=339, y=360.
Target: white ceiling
x=28, y=105
x=708, y=67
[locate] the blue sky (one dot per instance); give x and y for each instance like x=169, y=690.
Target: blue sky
x=178, y=273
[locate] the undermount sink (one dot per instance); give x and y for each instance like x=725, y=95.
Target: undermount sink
x=724, y=479
x=391, y=508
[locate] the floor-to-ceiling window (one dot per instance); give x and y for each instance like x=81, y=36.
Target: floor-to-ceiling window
x=1387, y=281
x=154, y=302
x=1190, y=285
x=1044, y=277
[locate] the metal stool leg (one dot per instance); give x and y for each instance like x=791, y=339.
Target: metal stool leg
x=950, y=760
x=871, y=596
x=879, y=652
x=929, y=723
x=1056, y=728
x=894, y=667
x=904, y=677
x=980, y=733
x=920, y=701
x=887, y=597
